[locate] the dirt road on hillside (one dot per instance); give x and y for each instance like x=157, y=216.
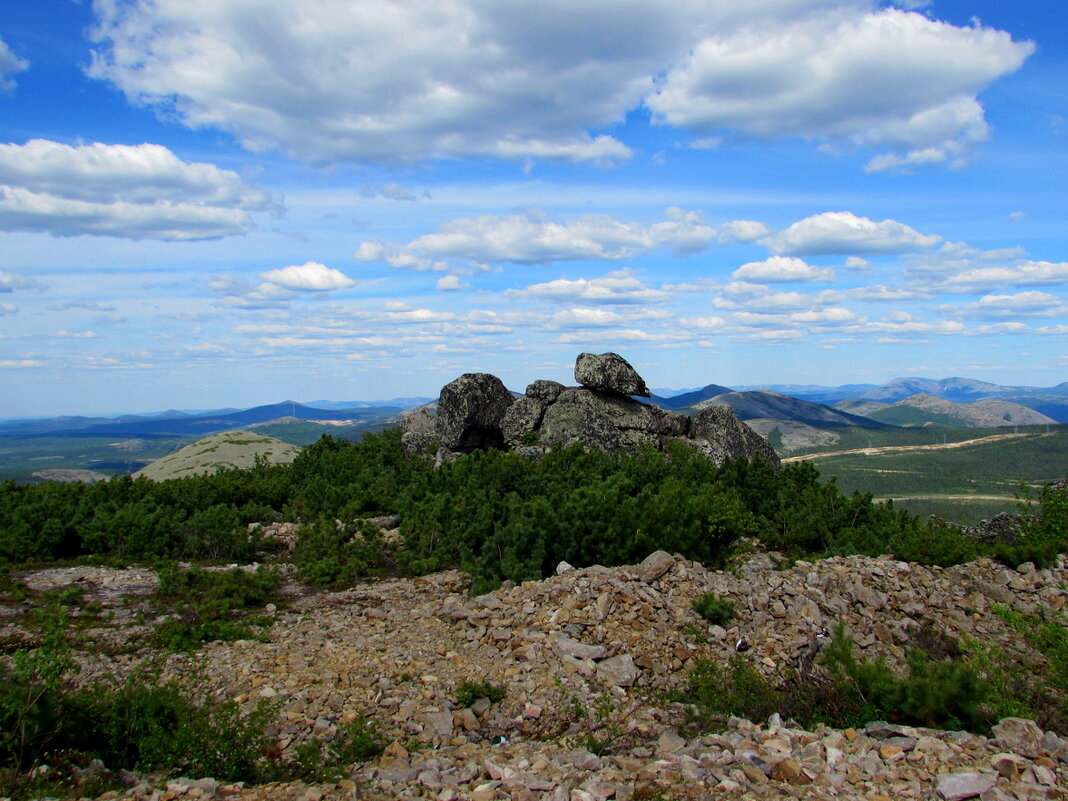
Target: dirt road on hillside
x=904, y=448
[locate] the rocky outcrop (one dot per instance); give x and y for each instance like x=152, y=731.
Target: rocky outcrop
x=609, y=372
x=476, y=411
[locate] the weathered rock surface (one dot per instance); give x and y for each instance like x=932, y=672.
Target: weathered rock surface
x=395, y=650
x=470, y=411
x=720, y=435
x=609, y=372
x=476, y=411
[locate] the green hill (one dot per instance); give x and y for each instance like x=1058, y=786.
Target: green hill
x=227, y=449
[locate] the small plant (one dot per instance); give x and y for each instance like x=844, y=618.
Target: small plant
x=316, y=761
x=529, y=438
x=467, y=692
x=713, y=608
x=213, y=605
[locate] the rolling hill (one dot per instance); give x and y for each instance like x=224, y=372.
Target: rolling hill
x=930, y=410
x=229, y=449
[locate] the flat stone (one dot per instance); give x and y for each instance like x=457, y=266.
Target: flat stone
x=1019, y=735
x=958, y=786
x=565, y=646
x=617, y=671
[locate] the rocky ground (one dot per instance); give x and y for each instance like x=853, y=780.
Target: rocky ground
x=592, y=652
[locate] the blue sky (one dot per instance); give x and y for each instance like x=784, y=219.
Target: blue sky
x=209, y=203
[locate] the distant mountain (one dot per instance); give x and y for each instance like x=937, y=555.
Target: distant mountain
x=925, y=409
x=401, y=403
x=760, y=404
x=687, y=398
x=960, y=390
x=189, y=425
x=814, y=392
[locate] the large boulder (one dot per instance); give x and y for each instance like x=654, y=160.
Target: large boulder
x=470, y=410
x=609, y=372
x=718, y=434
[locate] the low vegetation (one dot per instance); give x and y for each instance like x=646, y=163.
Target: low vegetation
x=499, y=516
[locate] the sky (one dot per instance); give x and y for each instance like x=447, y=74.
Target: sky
x=226, y=203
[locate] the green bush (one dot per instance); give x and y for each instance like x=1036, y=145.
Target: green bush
x=717, y=611
x=842, y=691
x=467, y=692
x=332, y=556
x=145, y=724
x=213, y=605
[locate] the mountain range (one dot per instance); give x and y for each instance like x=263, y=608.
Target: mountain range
x=864, y=405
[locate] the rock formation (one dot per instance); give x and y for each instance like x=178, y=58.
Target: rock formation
x=476, y=411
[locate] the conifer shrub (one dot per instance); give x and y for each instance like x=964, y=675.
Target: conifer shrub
x=842, y=691
x=213, y=605
x=716, y=610
x=467, y=692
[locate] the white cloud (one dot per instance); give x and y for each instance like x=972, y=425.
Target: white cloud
x=65, y=334
x=1016, y=216
x=131, y=191
x=707, y=143
x=586, y=318
x=782, y=269
x=9, y=282
x=858, y=264
x=903, y=327
x=1022, y=304
x=9, y=64
x=533, y=238
x=384, y=81
x=835, y=232
x=16, y=363
x=887, y=78
x=450, y=283
x=617, y=287
x=391, y=191
x=742, y=231
x=1029, y=273
x=7, y=308
x=310, y=276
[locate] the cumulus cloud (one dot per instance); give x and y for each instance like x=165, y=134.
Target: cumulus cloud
x=534, y=238
x=780, y=270
x=131, y=191
x=1022, y=304
x=7, y=308
x=308, y=277
x=1028, y=273
x=9, y=64
x=887, y=78
x=450, y=283
x=617, y=287
x=382, y=81
x=9, y=282
x=841, y=232
x=742, y=231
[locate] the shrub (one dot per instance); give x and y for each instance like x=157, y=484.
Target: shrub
x=717, y=611
x=211, y=605
x=467, y=692
x=842, y=691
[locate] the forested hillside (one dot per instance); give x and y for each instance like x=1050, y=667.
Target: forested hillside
x=496, y=514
